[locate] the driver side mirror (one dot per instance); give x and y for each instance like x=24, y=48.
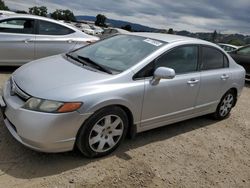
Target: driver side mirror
x=162, y=73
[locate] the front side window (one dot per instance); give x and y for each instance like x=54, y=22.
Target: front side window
x=49, y=28
x=120, y=52
x=182, y=59
x=211, y=59
x=244, y=51
x=20, y=26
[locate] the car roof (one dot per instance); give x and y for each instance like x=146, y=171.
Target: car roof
x=30, y=16
x=6, y=12
x=168, y=38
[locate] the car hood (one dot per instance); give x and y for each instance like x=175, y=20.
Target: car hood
x=41, y=77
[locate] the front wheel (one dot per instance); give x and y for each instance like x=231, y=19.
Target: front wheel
x=103, y=132
x=225, y=106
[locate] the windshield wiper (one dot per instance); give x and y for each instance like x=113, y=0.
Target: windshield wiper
x=75, y=58
x=91, y=62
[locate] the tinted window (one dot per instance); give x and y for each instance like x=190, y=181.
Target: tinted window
x=48, y=28
x=182, y=60
x=147, y=71
x=211, y=59
x=244, y=51
x=25, y=26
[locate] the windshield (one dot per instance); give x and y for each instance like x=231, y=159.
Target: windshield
x=120, y=52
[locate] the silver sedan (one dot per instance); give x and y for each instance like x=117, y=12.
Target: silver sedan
x=93, y=97
x=24, y=38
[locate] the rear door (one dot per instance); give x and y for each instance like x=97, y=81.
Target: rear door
x=52, y=39
x=16, y=41
x=215, y=77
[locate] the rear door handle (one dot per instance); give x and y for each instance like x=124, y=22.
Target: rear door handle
x=224, y=77
x=193, y=82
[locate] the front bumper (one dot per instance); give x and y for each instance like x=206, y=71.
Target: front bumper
x=46, y=132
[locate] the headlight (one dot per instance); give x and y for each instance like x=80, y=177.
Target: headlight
x=51, y=106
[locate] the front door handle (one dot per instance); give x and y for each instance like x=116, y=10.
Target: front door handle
x=224, y=77
x=192, y=82
x=26, y=41
x=70, y=41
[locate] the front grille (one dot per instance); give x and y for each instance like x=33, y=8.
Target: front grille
x=15, y=90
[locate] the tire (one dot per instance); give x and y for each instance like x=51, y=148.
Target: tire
x=103, y=132
x=225, y=106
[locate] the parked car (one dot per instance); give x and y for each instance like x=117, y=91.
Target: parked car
x=86, y=28
x=98, y=30
x=242, y=57
x=24, y=38
x=92, y=97
x=113, y=31
x=228, y=47
x=5, y=12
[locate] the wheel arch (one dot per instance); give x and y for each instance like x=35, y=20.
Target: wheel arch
x=129, y=109
x=235, y=91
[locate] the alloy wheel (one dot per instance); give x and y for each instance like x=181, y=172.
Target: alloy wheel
x=226, y=105
x=106, y=133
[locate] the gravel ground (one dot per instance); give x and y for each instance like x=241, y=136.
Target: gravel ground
x=196, y=153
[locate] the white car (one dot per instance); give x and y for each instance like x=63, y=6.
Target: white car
x=24, y=38
x=228, y=47
x=98, y=30
x=93, y=97
x=85, y=28
x=5, y=12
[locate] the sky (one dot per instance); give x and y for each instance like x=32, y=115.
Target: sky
x=193, y=15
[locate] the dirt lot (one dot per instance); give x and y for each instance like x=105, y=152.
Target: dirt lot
x=196, y=153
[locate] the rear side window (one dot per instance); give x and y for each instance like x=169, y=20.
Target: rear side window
x=182, y=59
x=212, y=59
x=49, y=28
x=20, y=26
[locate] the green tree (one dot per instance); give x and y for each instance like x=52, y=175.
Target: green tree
x=66, y=15
x=170, y=31
x=214, y=36
x=3, y=6
x=127, y=27
x=39, y=11
x=236, y=42
x=100, y=20
x=69, y=15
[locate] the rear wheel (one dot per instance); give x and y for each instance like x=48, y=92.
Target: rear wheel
x=103, y=132
x=225, y=106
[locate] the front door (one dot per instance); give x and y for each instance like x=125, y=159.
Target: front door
x=17, y=41
x=175, y=98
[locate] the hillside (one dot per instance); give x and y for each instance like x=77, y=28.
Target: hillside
x=120, y=23
x=236, y=39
